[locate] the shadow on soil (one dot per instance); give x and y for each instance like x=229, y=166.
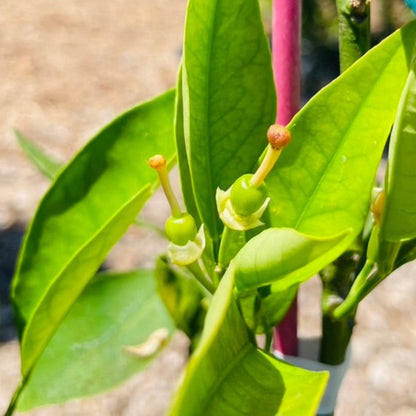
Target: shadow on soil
x=10, y=241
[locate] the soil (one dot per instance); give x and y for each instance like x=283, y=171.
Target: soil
x=68, y=68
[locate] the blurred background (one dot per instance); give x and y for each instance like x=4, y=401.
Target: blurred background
x=69, y=67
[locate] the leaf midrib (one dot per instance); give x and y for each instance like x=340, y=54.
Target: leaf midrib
x=224, y=374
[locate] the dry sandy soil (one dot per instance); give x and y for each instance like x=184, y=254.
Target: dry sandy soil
x=67, y=68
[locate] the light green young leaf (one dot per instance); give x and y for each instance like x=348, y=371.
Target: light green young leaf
x=227, y=374
x=183, y=164
x=45, y=164
x=115, y=311
x=263, y=309
x=87, y=209
x=285, y=257
x=229, y=98
x=399, y=214
x=181, y=295
x=322, y=183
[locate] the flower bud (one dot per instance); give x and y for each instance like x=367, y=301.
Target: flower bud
x=378, y=206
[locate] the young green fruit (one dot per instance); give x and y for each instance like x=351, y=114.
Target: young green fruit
x=246, y=198
x=181, y=229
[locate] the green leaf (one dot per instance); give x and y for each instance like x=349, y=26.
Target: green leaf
x=399, y=214
x=407, y=253
x=322, y=183
x=228, y=376
x=87, y=354
x=263, y=310
x=43, y=162
x=181, y=295
x=285, y=257
x=84, y=213
x=228, y=97
x=185, y=175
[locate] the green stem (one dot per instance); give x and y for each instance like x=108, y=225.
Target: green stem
x=377, y=267
x=354, y=30
x=201, y=276
x=269, y=341
x=231, y=243
x=336, y=333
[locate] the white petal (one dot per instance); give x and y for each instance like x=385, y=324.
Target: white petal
x=233, y=220
x=190, y=252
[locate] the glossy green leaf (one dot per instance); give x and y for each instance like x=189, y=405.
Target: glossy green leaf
x=228, y=376
x=228, y=97
x=87, y=354
x=185, y=175
x=322, y=183
x=84, y=213
x=43, y=162
x=285, y=257
x=399, y=213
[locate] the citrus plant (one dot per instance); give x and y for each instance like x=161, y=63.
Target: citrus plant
x=266, y=207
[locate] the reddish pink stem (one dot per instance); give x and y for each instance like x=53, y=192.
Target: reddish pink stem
x=286, y=57
x=286, y=30
x=286, y=333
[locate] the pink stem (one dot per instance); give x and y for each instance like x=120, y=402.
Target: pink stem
x=286, y=333
x=286, y=32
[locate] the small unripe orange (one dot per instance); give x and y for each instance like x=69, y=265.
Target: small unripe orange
x=181, y=229
x=246, y=198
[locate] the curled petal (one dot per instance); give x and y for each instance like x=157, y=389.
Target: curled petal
x=190, y=252
x=156, y=341
x=233, y=220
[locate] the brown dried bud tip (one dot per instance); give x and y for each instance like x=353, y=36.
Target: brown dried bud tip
x=157, y=162
x=278, y=136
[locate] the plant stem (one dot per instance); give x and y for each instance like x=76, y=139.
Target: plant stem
x=286, y=30
x=369, y=277
x=196, y=270
x=337, y=279
x=286, y=333
x=231, y=243
x=286, y=33
x=354, y=30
